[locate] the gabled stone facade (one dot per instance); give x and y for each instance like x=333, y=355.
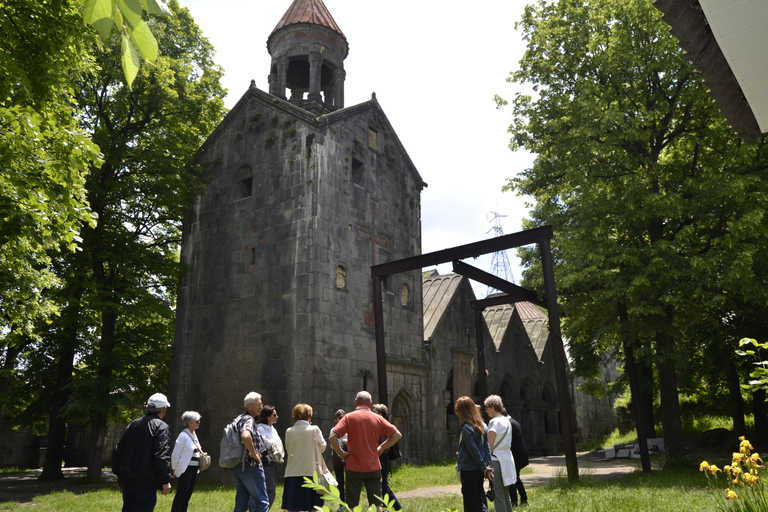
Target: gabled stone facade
x=277, y=294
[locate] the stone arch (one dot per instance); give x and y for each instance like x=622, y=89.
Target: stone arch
x=402, y=416
x=527, y=413
x=551, y=414
x=405, y=295
x=341, y=277
x=527, y=391
x=507, y=393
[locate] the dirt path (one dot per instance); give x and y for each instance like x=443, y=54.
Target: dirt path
x=545, y=470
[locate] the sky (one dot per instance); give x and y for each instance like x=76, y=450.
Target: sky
x=435, y=68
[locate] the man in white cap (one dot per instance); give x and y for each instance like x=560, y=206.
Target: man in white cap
x=142, y=458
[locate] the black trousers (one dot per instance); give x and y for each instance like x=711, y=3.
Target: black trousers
x=340, y=479
x=185, y=489
x=472, y=490
x=516, y=488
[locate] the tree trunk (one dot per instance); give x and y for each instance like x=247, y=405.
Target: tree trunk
x=737, y=400
x=100, y=416
x=634, y=388
x=57, y=424
x=646, y=398
x=670, y=401
x=760, y=410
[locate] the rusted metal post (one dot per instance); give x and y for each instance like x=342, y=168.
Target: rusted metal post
x=558, y=356
x=381, y=350
x=481, y=373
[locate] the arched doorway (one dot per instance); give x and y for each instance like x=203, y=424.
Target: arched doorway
x=401, y=414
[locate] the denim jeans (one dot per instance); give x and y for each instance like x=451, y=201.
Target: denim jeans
x=250, y=489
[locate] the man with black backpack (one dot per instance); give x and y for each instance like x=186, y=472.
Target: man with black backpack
x=250, y=484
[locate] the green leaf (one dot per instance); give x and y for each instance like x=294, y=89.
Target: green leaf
x=145, y=42
x=131, y=10
x=98, y=14
x=130, y=60
x=155, y=7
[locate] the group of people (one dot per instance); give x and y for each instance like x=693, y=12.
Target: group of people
x=496, y=451
x=361, y=440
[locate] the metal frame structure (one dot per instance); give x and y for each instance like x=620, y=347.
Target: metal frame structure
x=513, y=293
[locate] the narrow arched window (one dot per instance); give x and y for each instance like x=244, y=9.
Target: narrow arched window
x=341, y=277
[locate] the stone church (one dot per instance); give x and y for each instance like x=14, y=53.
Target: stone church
x=303, y=195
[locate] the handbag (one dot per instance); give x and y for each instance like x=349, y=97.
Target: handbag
x=394, y=452
x=276, y=451
x=204, y=460
x=324, y=476
x=490, y=494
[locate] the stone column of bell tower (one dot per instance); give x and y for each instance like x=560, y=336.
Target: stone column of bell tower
x=308, y=51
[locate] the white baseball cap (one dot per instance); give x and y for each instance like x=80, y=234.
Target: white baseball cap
x=158, y=400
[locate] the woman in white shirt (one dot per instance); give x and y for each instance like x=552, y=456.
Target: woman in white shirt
x=185, y=461
x=266, y=428
x=500, y=440
x=303, y=443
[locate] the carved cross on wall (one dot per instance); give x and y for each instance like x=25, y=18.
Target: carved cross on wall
x=375, y=239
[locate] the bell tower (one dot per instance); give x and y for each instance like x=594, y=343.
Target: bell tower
x=308, y=50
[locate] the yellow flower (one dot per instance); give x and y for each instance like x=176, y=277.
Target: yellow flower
x=730, y=495
x=755, y=458
x=736, y=471
x=738, y=457
x=714, y=469
x=704, y=465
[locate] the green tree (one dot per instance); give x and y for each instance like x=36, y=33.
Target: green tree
x=112, y=344
x=642, y=181
x=44, y=158
x=149, y=134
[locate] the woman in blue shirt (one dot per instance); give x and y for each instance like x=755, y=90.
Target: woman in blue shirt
x=474, y=458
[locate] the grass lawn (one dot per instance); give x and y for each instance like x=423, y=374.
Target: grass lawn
x=668, y=490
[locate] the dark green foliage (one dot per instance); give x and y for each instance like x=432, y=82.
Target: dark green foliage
x=658, y=208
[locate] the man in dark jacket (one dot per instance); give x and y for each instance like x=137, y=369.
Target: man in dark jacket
x=142, y=458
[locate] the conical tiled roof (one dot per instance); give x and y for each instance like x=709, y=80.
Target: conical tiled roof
x=309, y=11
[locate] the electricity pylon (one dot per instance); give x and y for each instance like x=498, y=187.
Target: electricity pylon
x=500, y=266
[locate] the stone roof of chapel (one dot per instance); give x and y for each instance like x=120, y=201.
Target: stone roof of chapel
x=308, y=11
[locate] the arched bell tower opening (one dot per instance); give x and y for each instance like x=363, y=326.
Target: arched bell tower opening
x=308, y=51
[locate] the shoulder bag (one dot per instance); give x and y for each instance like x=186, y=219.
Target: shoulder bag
x=204, y=460
x=324, y=476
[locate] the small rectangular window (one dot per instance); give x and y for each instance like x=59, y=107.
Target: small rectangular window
x=357, y=171
x=373, y=139
x=245, y=188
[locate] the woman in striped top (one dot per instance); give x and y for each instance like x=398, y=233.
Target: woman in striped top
x=185, y=461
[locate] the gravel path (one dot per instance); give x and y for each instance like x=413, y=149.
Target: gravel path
x=545, y=470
